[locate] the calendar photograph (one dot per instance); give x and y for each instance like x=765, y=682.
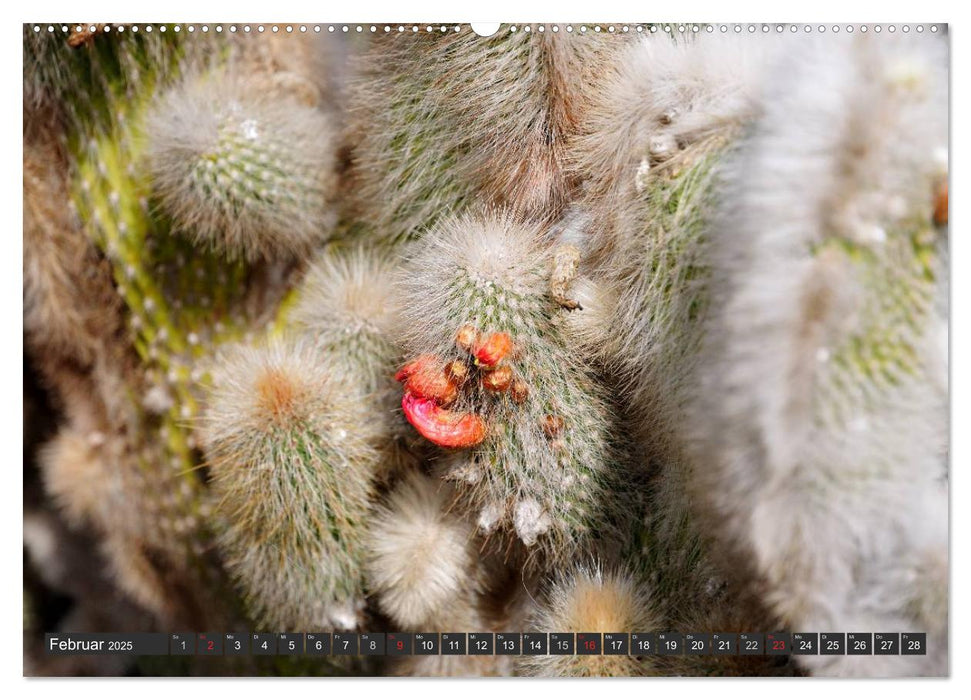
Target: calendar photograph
x=443, y=350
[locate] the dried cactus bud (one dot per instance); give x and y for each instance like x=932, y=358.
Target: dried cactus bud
x=440, y=426
x=498, y=379
x=519, y=391
x=552, y=426
x=493, y=349
x=566, y=263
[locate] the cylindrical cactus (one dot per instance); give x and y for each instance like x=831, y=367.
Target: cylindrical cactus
x=530, y=448
x=346, y=305
x=816, y=415
x=292, y=456
x=249, y=174
x=659, y=123
x=427, y=141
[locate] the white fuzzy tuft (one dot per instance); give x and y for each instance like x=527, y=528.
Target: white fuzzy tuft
x=421, y=561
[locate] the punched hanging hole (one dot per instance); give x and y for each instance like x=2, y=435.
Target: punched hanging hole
x=486, y=28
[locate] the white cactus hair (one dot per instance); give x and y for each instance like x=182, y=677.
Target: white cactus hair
x=248, y=173
x=292, y=456
x=817, y=415
x=421, y=152
x=492, y=271
x=658, y=123
x=589, y=599
x=422, y=560
x=662, y=96
x=348, y=304
x=347, y=307
x=74, y=475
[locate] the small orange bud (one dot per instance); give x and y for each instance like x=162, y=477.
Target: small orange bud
x=497, y=379
x=458, y=371
x=467, y=337
x=552, y=425
x=493, y=350
x=940, y=206
x=519, y=391
x=443, y=427
x=412, y=367
x=426, y=378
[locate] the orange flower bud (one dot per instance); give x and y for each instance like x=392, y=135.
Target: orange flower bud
x=497, y=379
x=426, y=378
x=493, y=350
x=519, y=391
x=467, y=337
x=552, y=425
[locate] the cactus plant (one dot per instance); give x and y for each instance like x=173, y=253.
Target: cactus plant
x=530, y=453
x=590, y=600
x=832, y=417
x=428, y=141
x=618, y=331
x=292, y=457
x=246, y=174
x=423, y=564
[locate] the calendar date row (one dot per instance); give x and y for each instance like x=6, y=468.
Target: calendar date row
x=489, y=643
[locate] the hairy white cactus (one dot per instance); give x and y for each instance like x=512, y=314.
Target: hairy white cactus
x=818, y=421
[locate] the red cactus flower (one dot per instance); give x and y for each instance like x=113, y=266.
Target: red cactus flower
x=441, y=426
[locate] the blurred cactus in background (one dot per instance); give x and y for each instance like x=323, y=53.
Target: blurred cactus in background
x=609, y=331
